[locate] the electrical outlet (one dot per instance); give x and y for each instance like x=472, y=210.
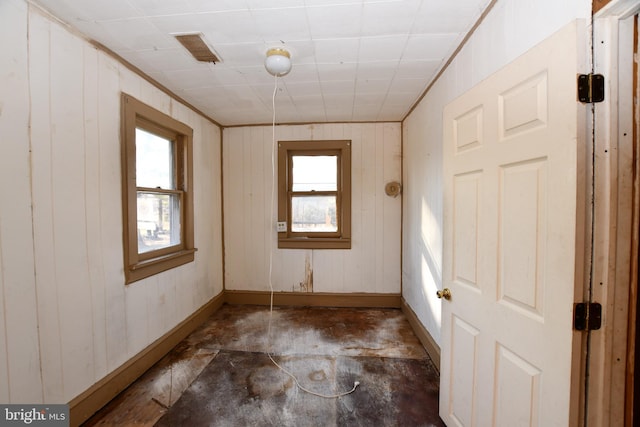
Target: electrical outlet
x=281, y=226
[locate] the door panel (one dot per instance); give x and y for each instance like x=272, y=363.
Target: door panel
x=464, y=354
x=521, y=256
x=510, y=176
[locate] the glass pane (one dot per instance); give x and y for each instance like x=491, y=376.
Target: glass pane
x=312, y=214
x=158, y=221
x=154, y=161
x=315, y=173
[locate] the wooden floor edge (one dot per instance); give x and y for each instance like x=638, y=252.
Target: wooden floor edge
x=429, y=344
x=95, y=397
x=315, y=299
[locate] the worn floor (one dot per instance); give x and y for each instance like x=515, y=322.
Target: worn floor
x=221, y=375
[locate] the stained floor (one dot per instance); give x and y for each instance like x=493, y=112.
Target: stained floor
x=221, y=375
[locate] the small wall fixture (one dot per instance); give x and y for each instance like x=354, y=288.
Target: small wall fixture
x=278, y=62
x=393, y=189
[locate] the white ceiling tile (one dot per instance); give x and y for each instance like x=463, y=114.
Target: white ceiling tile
x=407, y=86
x=92, y=11
x=139, y=34
x=373, y=87
x=337, y=72
x=274, y=4
x=365, y=112
x=383, y=70
x=101, y=35
x=369, y=99
x=344, y=88
x=301, y=51
x=336, y=51
x=191, y=78
x=216, y=5
x=282, y=25
x=310, y=3
x=163, y=60
x=338, y=100
x=308, y=101
x=303, y=89
x=361, y=60
x=384, y=48
x=240, y=54
x=446, y=16
x=417, y=69
x=330, y=22
x=160, y=7
x=180, y=24
x=299, y=73
x=388, y=17
x=235, y=26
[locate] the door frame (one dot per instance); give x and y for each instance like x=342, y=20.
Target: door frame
x=614, y=211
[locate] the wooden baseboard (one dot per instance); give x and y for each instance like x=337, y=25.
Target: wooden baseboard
x=429, y=344
x=90, y=401
x=315, y=299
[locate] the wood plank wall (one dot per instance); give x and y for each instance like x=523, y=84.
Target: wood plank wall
x=19, y=368
x=373, y=263
x=67, y=318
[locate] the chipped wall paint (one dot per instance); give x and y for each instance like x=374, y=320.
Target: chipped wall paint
x=307, y=284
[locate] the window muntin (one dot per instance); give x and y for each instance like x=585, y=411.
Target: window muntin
x=157, y=191
x=314, y=196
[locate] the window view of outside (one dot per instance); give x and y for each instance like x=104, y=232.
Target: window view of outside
x=158, y=212
x=309, y=212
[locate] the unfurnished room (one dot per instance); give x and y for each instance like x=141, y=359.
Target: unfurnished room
x=319, y=213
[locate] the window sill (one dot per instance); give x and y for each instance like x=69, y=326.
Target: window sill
x=150, y=267
x=314, y=243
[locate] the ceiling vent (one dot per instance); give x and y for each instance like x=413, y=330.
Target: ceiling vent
x=196, y=45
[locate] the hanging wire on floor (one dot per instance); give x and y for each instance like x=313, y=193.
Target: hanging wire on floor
x=273, y=186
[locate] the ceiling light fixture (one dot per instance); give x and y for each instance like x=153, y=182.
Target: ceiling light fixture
x=278, y=62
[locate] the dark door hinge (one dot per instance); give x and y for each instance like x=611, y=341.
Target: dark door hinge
x=590, y=88
x=587, y=316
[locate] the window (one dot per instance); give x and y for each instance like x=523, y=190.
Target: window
x=157, y=181
x=314, y=194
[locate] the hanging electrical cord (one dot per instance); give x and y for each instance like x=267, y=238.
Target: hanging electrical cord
x=273, y=186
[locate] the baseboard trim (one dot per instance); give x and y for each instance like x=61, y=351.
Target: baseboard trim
x=90, y=401
x=429, y=344
x=315, y=299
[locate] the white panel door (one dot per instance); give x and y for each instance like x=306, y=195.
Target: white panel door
x=510, y=176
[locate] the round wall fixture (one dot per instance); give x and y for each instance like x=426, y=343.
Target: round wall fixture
x=278, y=62
x=393, y=189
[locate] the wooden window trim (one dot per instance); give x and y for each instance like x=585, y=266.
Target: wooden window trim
x=338, y=240
x=139, y=266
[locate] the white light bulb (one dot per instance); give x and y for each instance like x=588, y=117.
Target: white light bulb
x=278, y=62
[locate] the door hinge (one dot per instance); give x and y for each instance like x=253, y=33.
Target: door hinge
x=590, y=88
x=587, y=316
